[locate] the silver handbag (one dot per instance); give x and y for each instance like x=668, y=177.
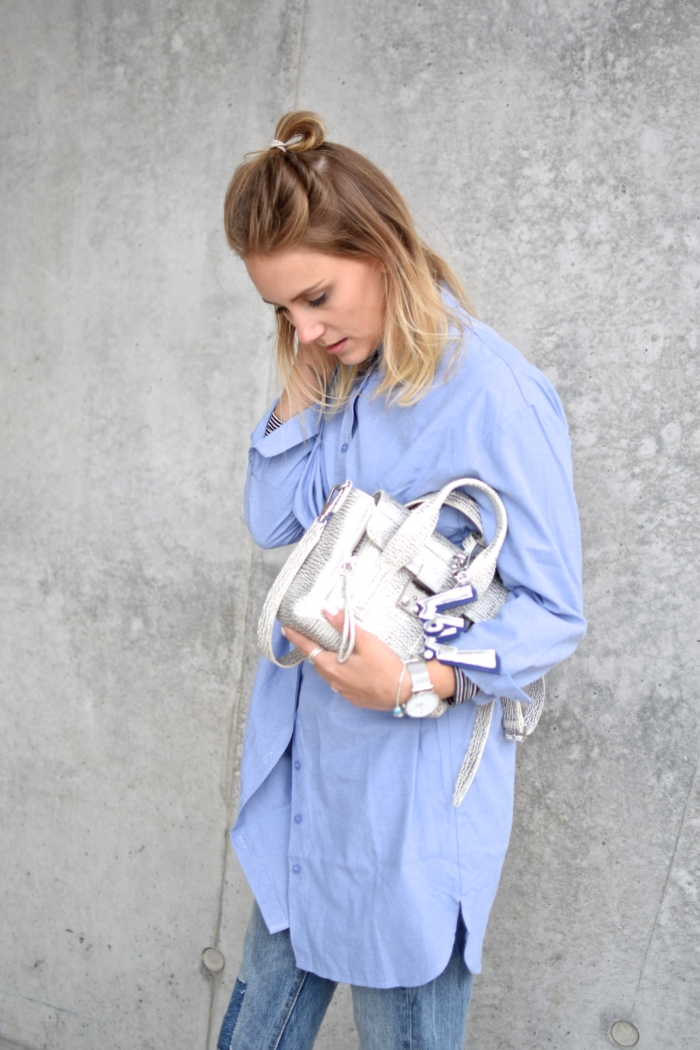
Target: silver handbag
x=387, y=568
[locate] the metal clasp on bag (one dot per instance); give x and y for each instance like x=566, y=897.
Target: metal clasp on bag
x=348, y=566
x=334, y=497
x=460, y=564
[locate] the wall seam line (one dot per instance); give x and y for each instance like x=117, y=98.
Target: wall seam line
x=232, y=747
x=10, y=1044
x=229, y=786
x=666, y=882
x=301, y=53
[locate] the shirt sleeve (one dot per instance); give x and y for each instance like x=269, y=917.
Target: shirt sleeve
x=528, y=463
x=284, y=478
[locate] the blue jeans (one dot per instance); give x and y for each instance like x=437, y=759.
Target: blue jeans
x=276, y=1006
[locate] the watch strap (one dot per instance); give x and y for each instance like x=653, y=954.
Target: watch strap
x=423, y=700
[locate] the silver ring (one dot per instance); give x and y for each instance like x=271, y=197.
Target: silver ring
x=314, y=653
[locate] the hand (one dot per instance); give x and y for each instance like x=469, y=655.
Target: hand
x=370, y=675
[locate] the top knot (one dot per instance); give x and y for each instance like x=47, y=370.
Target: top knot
x=299, y=132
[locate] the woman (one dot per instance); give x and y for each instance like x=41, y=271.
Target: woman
x=362, y=869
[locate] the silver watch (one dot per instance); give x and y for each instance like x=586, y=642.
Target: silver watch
x=422, y=701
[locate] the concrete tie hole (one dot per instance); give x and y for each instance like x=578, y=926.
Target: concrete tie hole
x=624, y=1033
x=213, y=960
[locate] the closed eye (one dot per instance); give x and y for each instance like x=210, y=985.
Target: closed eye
x=312, y=302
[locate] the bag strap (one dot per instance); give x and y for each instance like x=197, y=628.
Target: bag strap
x=480, y=733
x=519, y=720
x=516, y=725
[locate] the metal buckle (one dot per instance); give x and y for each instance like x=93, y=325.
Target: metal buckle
x=334, y=496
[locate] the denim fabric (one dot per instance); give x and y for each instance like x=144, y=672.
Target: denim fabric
x=277, y=1006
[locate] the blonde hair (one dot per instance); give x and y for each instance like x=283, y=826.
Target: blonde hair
x=326, y=197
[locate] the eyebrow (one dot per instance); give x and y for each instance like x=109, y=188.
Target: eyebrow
x=302, y=295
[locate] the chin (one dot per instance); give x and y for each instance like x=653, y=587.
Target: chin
x=355, y=357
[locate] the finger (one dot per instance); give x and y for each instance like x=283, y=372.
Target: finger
x=307, y=646
x=300, y=641
x=335, y=617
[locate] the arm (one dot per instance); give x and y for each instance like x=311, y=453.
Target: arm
x=541, y=623
x=370, y=676
x=529, y=465
x=277, y=506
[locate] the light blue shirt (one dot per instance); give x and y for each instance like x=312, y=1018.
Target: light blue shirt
x=346, y=829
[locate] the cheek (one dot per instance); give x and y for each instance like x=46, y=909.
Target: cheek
x=371, y=299
x=379, y=309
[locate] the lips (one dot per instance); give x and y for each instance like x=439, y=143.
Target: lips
x=336, y=348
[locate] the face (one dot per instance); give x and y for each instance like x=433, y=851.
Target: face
x=334, y=301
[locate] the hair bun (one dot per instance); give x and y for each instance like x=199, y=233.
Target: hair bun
x=306, y=127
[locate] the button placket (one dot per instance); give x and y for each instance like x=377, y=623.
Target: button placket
x=346, y=426
x=295, y=847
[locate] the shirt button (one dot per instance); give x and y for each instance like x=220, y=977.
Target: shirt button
x=297, y=764
x=344, y=448
x=297, y=819
x=296, y=869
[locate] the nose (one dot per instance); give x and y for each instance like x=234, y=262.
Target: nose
x=309, y=329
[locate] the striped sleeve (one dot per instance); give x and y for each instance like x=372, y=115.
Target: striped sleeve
x=465, y=689
x=273, y=423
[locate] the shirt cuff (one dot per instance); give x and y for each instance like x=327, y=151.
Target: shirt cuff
x=294, y=431
x=465, y=689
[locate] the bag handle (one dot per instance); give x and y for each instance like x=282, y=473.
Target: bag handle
x=407, y=541
x=278, y=590
x=459, y=501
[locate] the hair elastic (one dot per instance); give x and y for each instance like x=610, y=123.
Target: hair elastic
x=276, y=144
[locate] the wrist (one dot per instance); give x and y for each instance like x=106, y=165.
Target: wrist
x=442, y=677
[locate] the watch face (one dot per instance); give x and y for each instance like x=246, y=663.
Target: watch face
x=420, y=705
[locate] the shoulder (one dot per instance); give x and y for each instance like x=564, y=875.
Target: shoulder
x=487, y=375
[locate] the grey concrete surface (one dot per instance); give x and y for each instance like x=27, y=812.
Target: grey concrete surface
x=550, y=150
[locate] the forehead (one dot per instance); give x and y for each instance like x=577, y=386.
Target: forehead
x=285, y=269
x=285, y=276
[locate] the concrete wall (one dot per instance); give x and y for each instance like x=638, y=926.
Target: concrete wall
x=549, y=149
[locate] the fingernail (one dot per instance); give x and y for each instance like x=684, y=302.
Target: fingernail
x=284, y=632
x=332, y=610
